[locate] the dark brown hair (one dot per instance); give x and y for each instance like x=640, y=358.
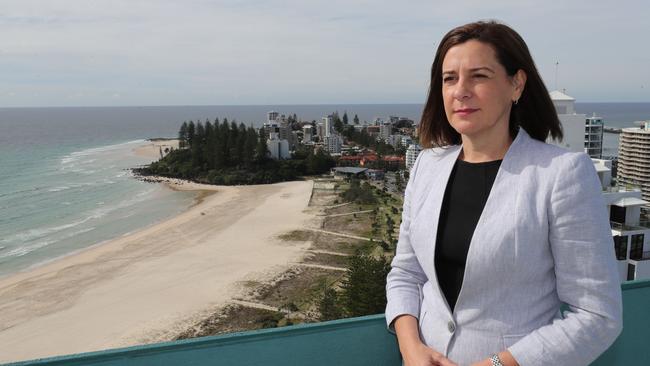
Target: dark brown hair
x=534, y=111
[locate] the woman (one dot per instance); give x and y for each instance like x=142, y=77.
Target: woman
x=499, y=228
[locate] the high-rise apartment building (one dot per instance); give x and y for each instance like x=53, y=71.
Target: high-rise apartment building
x=594, y=137
x=634, y=159
x=581, y=133
x=411, y=154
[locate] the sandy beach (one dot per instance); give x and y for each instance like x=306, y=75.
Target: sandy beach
x=156, y=148
x=148, y=286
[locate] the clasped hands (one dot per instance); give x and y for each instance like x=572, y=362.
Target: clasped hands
x=421, y=355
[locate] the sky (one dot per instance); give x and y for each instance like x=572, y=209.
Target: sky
x=225, y=52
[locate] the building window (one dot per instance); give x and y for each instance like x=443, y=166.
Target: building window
x=636, y=247
x=631, y=271
x=617, y=214
x=620, y=246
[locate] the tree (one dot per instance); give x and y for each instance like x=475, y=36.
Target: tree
x=329, y=307
x=345, y=118
x=248, y=154
x=198, y=145
x=364, y=288
x=208, y=150
x=262, y=150
x=182, y=135
x=338, y=124
x=224, y=148
x=190, y=134
x=356, y=119
x=234, y=149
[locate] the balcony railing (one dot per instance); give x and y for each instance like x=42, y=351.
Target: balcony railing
x=622, y=189
x=642, y=225
x=356, y=341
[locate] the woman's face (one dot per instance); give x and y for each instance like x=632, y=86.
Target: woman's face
x=476, y=90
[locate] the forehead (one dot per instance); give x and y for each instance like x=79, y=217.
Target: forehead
x=470, y=54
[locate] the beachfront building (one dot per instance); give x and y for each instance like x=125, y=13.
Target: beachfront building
x=594, y=136
x=634, y=159
x=573, y=124
x=272, y=117
x=327, y=126
x=332, y=143
x=398, y=141
x=581, y=133
x=373, y=131
x=284, y=130
x=278, y=148
x=394, y=140
x=385, y=130
x=411, y=154
x=306, y=133
x=320, y=130
x=406, y=141
x=271, y=124
x=631, y=234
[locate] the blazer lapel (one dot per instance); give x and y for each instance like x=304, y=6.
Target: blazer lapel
x=497, y=213
x=429, y=214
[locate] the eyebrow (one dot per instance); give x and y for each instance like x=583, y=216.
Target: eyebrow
x=472, y=70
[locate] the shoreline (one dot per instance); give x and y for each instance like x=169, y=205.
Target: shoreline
x=151, y=284
x=200, y=196
x=148, y=149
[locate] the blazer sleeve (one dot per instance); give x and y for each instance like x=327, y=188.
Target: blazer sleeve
x=406, y=277
x=585, y=269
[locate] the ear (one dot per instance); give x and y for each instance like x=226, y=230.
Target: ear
x=519, y=82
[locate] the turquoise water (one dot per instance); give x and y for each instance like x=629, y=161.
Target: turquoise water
x=56, y=200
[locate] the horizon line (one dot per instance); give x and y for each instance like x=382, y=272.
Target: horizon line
x=258, y=105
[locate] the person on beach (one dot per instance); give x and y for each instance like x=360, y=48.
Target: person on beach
x=499, y=229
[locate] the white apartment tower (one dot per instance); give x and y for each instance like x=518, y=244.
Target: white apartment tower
x=333, y=143
x=385, y=130
x=594, y=137
x=573, y=124
x=272, y=116
x=306, y=133
x=327, y=126
x=581, y=133
x=411, y=154
x=278, y=148
x=634, y=159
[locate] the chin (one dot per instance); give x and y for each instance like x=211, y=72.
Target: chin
x=465, y=127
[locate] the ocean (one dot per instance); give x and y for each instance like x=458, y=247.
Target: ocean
x=65, y=182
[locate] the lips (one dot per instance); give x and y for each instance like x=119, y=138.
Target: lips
x=465, y=111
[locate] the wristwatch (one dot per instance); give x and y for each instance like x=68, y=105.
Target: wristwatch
x=496, y=361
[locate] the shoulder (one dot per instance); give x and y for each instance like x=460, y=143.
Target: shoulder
x=429, y=158
x=552, y=158
x=434, y=154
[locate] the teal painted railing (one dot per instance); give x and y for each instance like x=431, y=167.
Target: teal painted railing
x=356, y=341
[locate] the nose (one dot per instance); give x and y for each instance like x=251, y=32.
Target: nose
x=461, y=89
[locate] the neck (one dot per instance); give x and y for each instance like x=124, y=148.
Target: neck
x=492, y=145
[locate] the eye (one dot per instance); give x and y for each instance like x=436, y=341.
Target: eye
x=478, y=76
x=447, y=79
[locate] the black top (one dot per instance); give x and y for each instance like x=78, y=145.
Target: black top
x=465, y=196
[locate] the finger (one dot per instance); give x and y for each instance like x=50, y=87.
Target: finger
x=446, y=362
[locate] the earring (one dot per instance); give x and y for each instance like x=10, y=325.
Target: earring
x=516, y=101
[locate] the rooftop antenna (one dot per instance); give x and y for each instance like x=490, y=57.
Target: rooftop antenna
x=557, y=63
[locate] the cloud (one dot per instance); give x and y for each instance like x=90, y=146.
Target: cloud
x=251, y=52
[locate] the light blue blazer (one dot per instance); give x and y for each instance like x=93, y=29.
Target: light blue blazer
x=543, y=239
